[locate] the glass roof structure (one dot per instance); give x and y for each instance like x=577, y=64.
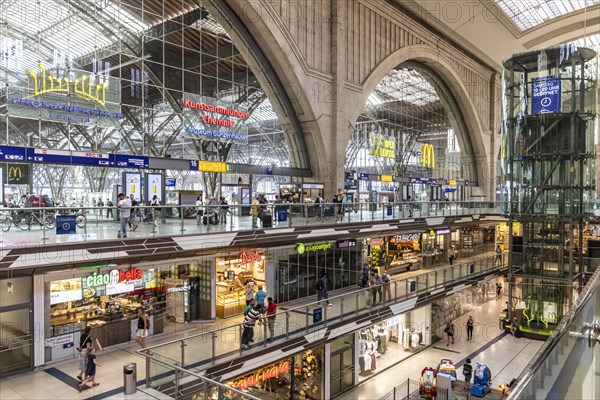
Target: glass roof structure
x=406, y=85
x=531, y=13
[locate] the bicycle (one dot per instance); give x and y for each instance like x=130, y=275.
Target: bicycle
x=24, y=219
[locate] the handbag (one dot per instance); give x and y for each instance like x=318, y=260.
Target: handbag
x=79, y=349
x=97, y=345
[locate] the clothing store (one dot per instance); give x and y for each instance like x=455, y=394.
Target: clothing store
x=390, y=341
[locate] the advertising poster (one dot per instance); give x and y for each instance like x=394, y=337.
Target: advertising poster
x=65, y=290
x=154, y=186
x=545, y=95
x=132, y=183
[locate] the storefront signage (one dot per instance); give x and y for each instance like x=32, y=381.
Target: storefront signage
x=301, y=248
x=386, y=178
x=442, y=231
x=117, y=281
x=17, y=174
x=427, y=156
x=546, y=95
x=377, y=242
x=114, y=276
x=260, y=376
x=250, y=257
x=61, y=95
x=58, y=340
x=65, y=290
x=218, y=120
x=176, y=289
x=407, y=237
x=212, y=166
x=395, y=321
x=383, y=147
x=344, y=243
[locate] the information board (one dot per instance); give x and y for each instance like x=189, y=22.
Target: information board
x=90, y=158
x=125, y=161
x=11, y=153
x=48, y=156
x=545, y=95
x=66, y=224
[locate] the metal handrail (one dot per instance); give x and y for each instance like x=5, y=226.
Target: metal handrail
x=22, y=341
x=559, y=332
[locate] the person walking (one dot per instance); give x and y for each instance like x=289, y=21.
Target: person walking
x=260, y=297
x=271, y=315
x=124, y=206
x=470, y=328
x=514, y=327
x=449, y=331
x=254, y=211
x=90, y=372
x=249, y=292
x=386, y=280
x=156, y=209
x=498, y=259
x=468, y=373
x=410, y=206
x=498, y=290
x=249, y=322
x=142, y=328
x=85, y=342
x=451, y=254
x=223, y=210
x=318, y=209
x=321, y=287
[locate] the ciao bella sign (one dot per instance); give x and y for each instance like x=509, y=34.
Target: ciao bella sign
x=260, y=376
x=114, y=276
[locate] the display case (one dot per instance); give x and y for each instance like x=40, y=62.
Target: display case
x=229, y=303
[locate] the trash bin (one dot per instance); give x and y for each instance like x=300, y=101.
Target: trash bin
x=130, y=378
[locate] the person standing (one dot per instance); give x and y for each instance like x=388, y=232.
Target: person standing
x=249, y=292
x=85, y=342
x=514, y=326
x=271, y=311
x=142, y=328
x=249, y=322
x=451, y=254
x=468, y=373
x=156, y=209
x=109, y=210
x=375, y=285
x=410, y=206
x=321, y=287
x=386, y=280
x=260, y=297
x=449, y=331
x=223, y=210
x=470, y=328
x=498, y=290
x=90, y=372
x=124, y=206
x=254, y=211
x=498, y=259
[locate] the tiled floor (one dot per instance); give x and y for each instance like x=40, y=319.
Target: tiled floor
x=506, y=357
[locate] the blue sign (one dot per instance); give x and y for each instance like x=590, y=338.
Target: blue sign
x=68, y=345
x=317, y=315
x=281, y=215
x=96, y=159
x=170, y=182
x=363, y=177
x=49, y=156
x=126, y=161
x=350, y=176
x=413, y=286
x=193, y=165
x=415, y=180
x=66, y=224
x=269, y=170
x=545, y=95
x=10, y=153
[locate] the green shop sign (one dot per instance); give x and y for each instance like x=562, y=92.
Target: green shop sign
x=302, y=248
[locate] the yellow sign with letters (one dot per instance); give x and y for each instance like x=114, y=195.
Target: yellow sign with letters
x=427, y=156
x=384, y=148
x=212, y=166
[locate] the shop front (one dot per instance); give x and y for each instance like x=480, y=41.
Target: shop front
x=108, y=300
x=302, y=265
x=234, y=272
x=405, y=252
x=388, y=342
x=298, y=377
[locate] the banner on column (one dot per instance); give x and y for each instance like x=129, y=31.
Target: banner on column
x=132, y=184
x=154, y=187
x=545, y=97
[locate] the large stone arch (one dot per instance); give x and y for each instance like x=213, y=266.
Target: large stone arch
x=431, y=59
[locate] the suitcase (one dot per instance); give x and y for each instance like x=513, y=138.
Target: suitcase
x=204, y=220
x=267, y=221
x=214, y=220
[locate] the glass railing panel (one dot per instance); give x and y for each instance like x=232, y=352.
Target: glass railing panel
x=159, y=371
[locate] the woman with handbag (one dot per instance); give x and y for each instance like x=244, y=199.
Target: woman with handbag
x=85, y=342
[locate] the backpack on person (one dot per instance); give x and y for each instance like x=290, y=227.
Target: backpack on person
x=320, y=286
x=467, y=369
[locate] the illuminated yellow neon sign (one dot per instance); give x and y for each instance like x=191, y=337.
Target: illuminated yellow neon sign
x=427, y=156
x=45, y=82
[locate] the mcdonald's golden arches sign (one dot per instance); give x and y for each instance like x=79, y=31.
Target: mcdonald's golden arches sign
x=17, y=174
x=427, y=156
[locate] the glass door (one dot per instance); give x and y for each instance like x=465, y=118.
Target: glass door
x=342, y=371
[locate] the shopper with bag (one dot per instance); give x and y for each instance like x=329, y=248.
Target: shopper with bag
x=449, y=331
x=85, y=342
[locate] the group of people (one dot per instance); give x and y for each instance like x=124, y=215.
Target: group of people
x=213, y=207
x=128, y=206
x=259, y=209
x=449, y=330
x=260, y=307
x=379, y=284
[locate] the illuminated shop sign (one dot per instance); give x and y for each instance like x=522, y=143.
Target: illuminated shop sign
x=302, y=248
x=250, y=257
x=117, y=281
x=114, y=276
x=407, y=237
x=377, y=242
x=442, y=231
x=427, y=156
x=383, y=147
x=56, y=94
x=65, y=290
x=342, y=244
x=206, y=116
x=260, y=376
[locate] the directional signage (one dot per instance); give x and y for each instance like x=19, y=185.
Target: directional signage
x=212, y=166
x=126, y=161
x=66, y=224
x=91, y=158
x=48, y=156
x=363, y=176
x=193, y=165
x=10, y=153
